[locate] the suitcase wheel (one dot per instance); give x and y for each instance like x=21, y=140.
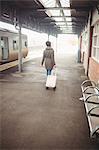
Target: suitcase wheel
x=46, y=87
x=54, y=88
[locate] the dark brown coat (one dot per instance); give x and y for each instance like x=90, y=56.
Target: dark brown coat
x=48, y=58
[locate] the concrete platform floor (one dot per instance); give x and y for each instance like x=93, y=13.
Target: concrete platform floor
x=33, y=118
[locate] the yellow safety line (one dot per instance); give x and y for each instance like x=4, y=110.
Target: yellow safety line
x=8, y=65
x=11, y=64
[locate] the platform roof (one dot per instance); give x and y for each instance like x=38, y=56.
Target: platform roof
x=49, y=16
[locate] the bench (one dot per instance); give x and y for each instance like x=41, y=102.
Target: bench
x=90, y=97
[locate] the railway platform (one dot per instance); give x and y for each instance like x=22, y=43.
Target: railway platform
x=33, y=118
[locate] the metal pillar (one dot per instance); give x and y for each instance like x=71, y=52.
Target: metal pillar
x=89, y=42
x=0, y=9
x=20, y=50
x=79, y=49
x=56, y=43
x=48, y=37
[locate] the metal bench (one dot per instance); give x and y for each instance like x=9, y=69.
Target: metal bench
x=90, y=97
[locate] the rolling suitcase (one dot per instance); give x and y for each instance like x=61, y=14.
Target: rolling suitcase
x=51, y=80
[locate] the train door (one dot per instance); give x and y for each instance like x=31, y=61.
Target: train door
x=4, y=48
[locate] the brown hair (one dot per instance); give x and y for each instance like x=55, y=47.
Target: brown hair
x=48, y=43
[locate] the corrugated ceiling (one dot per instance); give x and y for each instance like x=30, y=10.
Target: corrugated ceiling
x=50, y=16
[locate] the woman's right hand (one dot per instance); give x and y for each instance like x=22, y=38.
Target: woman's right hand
x=54, y=66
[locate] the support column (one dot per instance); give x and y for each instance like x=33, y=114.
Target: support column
x=79, y=48
x=89, y=41
x=18, y=26
x=56, y=43
x=20, y=50
x=0, y=10
x=48, y=36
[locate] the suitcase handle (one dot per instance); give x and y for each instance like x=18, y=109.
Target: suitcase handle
x=53, y=71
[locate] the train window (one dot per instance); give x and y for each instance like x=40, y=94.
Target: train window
x=14, y=45
x=25, y=44
x=1, y=38
x=2, y=42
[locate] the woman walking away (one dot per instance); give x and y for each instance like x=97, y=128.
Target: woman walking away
x=48, y=58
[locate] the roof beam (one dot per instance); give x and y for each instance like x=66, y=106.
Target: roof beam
x=53, y=21
x=68, y=25
x=66, y=17
x=71, y=26
x=83, y=18
x=64, y=8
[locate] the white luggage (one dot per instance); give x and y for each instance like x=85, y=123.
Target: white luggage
x=51, y=80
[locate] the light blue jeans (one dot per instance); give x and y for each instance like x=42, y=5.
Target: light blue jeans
x=49, y=71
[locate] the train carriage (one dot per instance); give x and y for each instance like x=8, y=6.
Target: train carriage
x=9, y=45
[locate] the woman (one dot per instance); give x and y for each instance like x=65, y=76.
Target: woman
x=48, y=58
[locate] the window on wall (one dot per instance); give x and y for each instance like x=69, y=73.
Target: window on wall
x=95, y=43
x=84, y=41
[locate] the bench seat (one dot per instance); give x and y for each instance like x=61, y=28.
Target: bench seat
x=90, y=97
x=92, y=109
x=94, y=125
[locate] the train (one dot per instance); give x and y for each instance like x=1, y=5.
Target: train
x=9, y=46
